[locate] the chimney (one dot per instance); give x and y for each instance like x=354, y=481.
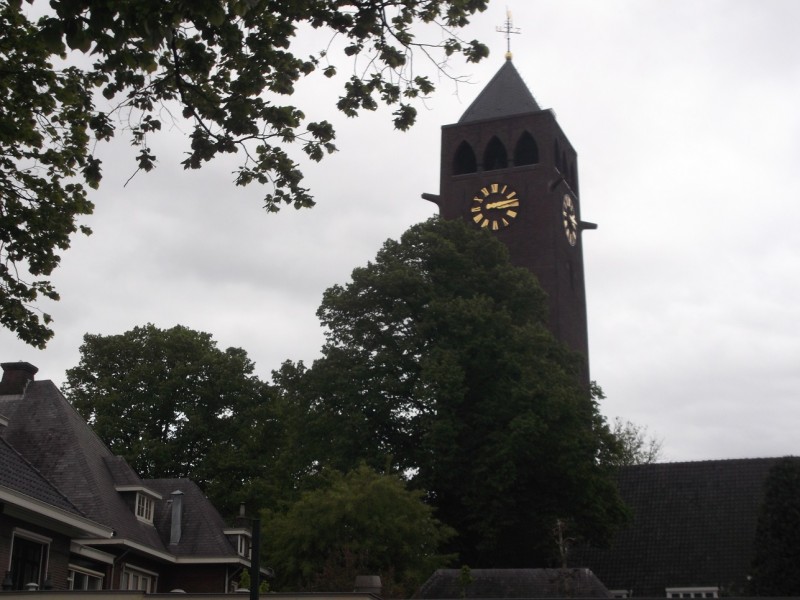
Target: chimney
x=242, y=520
x=16, y=376
x=177, y=514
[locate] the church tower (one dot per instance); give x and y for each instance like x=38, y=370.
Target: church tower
x=507, y=167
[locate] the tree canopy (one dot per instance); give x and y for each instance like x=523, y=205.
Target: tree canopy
x=634, y=445
x=438, y=365
x=353, y=524
x=225, y=66
x=174, y=405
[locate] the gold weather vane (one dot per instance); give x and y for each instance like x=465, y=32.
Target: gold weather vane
x=508, y=28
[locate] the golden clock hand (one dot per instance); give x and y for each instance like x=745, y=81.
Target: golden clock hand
x=502, y=204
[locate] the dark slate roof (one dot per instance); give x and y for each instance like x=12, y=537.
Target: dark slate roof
x=514, y=583
x=693, y=525
x=121, y=472
x=505, y=95
x=45, y=429
x=201, y=525
x=19, y=475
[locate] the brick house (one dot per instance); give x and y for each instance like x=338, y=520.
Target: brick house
x=73, y=516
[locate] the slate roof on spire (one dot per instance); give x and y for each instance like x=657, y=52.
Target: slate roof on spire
x=505, y=95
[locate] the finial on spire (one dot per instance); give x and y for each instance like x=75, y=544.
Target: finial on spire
x=508, y=28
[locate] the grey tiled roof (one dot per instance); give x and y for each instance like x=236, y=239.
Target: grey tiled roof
x=513, y=583
x=505, y=95
x=201, y=525
x=121, y=472
x=51, y=435
x=18, y=474
x=693, y=525
x=48, y=451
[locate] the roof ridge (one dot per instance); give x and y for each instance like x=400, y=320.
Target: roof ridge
x=711, y=461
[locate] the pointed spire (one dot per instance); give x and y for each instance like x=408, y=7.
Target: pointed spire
x=505, y=95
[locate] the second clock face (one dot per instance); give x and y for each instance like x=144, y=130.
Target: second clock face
x=569, y=220
x=494, y=206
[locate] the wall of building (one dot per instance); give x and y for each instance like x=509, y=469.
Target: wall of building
x=58, y=552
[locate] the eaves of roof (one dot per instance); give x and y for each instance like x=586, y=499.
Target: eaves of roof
x=19, y=503
x=165, y=556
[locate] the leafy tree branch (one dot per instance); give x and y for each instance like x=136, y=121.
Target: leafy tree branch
x=223, y=63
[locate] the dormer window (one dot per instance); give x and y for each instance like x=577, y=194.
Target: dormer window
x=241, y=538
x=144, y=507
x=141, y=500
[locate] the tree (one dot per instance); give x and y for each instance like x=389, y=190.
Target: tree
x=438, y=364
x=635, y=446
x=359, y=523
x=776, y=557
x=174, y=405
x=221, y=65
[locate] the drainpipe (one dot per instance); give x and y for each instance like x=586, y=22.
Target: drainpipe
x=177, y=515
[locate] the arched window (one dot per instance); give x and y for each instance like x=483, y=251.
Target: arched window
x=464, y=160
x=495, y=156
x=526, y=151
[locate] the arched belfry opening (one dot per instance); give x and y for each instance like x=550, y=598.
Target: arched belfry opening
x=495, y=155
x=526, y=151
x=464, y=160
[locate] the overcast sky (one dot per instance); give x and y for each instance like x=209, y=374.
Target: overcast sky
x=685, y=116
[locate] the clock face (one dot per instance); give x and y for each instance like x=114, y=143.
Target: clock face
x=494, y=206
x=570, y=219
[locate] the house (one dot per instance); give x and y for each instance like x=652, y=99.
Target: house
x=691, y=533
x=73, y=516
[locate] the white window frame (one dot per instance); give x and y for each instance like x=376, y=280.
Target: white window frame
x=135, y=576
x=38, y=539
x=90, y=574
x=244, y=546
x=145, y=507
x=708, y=591
x=243, y=540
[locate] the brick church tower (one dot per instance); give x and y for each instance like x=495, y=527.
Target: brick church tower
x=507, y=167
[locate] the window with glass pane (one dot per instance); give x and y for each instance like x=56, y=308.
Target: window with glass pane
x=28, y=561
x=83, y=580
x=137, y=580
x=144, y=508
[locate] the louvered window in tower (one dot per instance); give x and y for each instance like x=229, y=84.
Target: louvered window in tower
x=495, y=156
x=464, y=160
x=526, y=152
